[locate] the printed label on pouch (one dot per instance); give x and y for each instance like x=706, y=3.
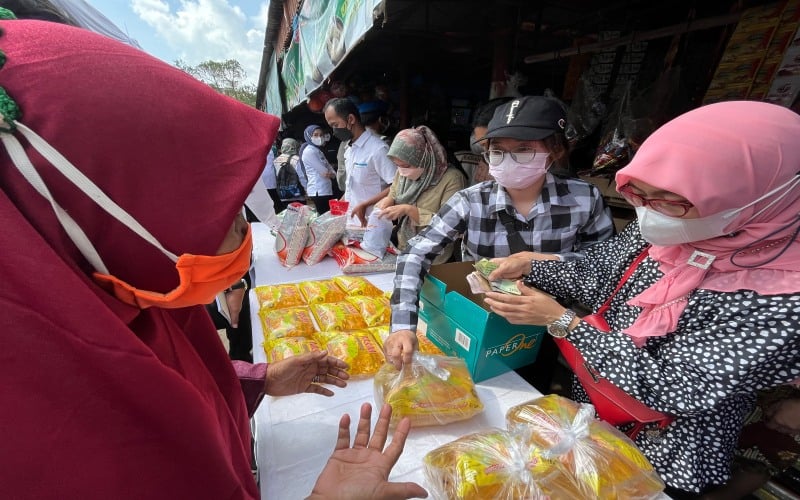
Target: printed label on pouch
x=518, y=342
x=462, y=339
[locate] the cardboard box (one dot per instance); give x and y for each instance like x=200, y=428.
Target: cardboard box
x=464, y=326
x=434, y=325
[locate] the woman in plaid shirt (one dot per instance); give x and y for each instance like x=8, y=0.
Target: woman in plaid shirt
x=526, y=211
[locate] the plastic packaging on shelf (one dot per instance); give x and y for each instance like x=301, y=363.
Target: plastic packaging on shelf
x=359, y=349
x=490, y=464
x=600, y=460
x=431, y=390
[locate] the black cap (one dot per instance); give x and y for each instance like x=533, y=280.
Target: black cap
x=529, y=118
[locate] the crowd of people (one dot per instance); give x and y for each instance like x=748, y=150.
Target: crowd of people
x=115, y=373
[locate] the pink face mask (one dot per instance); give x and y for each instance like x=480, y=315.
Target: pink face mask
x=410, y=173
x=513, y=175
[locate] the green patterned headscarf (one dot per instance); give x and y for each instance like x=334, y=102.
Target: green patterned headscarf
x=418, y=147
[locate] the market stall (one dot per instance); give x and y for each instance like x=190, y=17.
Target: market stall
x=295, y=435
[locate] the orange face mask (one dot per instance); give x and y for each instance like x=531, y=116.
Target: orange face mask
x=202, y=277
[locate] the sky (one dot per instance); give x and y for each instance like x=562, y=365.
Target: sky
x=194, y=30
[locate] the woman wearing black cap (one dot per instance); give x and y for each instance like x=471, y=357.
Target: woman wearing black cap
x=526, y=212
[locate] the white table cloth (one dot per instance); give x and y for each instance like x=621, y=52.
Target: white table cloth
x=295, y=435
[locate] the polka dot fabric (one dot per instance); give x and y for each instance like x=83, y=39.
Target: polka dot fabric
x=726, y=346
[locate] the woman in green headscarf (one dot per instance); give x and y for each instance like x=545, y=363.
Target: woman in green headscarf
x=423, y=183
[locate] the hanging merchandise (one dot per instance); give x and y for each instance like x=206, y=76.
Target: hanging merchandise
x=586, y=111
x=614, y=150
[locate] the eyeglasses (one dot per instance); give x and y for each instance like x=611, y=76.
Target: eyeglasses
x=494, y=157
x=672, y=208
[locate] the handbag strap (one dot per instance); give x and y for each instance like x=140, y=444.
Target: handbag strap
x=628, y=272
x=515, y=242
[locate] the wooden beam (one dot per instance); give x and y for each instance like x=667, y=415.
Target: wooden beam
x=695, y=25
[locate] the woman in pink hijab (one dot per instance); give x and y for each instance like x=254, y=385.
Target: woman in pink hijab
x=712, y=312
x=122, y=181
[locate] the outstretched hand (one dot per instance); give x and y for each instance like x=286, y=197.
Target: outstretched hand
x=362, y=471
x=305, y=373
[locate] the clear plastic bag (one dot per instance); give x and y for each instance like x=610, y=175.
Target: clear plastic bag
x=377, y=234
x=485, y=465
x=431, y=390
x=323, y=233
x=599, y=460
x=292, y=234
x=353, y=260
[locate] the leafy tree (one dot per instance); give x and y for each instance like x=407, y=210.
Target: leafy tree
x=226, y=77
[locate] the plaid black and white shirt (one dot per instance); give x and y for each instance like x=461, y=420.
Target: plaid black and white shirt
x=569, y=216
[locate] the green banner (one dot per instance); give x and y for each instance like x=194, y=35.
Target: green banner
x=273, y=105
x=327, y=31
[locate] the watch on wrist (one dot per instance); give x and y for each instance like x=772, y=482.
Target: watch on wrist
x=241, y=284
x=560, y=327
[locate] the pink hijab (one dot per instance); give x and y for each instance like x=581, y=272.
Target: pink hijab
x=719, y=157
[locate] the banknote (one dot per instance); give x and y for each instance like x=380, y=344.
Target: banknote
x=485, y=268
x=477, y=283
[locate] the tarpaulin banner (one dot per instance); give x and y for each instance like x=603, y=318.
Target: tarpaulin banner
x=327, y=30
x=274, y=105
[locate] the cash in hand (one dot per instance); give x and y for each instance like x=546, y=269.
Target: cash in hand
x=485, y=268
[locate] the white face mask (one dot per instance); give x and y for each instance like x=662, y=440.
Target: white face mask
x=660, y=229
x=410, y=173
x=318, y=141
x=513, y=175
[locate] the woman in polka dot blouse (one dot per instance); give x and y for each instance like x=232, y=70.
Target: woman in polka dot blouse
x=712, y=314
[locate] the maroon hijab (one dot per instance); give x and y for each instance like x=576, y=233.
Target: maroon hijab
x=99, y=399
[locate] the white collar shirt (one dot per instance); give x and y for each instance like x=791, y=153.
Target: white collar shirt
x=369, y=170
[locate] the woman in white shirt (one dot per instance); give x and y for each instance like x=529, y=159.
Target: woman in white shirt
x=318, y=171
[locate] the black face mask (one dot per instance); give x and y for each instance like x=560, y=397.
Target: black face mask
x=342, y=133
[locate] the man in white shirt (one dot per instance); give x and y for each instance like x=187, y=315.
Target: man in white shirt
x=369, y=171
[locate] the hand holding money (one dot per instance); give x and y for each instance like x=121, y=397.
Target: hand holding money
x=479, y=280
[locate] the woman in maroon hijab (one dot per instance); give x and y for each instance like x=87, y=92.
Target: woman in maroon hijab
x=114, y=382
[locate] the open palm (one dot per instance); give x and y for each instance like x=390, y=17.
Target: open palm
x=362, y=471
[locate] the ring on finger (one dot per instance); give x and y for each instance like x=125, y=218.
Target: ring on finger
x=315, y=379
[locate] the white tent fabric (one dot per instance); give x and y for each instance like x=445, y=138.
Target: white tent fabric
x=93, y=20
